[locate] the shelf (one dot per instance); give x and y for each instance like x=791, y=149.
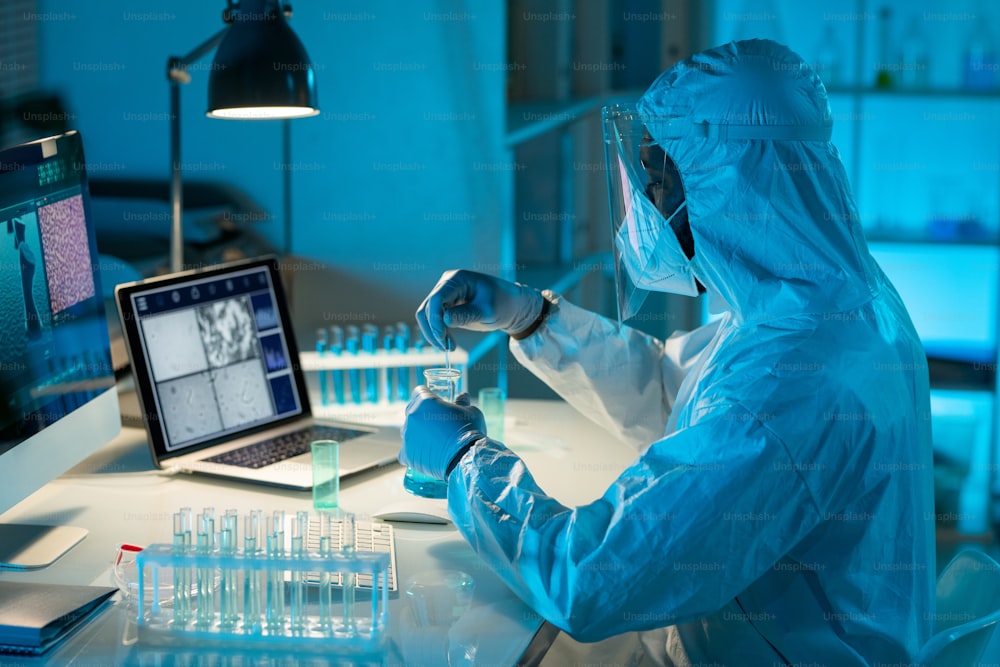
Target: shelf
x=916, y=92
x=903, y=237
x=527, y=120
x=311, y=361
x=559, y=277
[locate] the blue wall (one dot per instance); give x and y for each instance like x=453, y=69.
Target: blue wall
x=393, y=183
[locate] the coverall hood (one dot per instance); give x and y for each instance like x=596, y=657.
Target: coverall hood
x=775, y=230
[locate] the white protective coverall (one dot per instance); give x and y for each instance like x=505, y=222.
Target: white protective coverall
x=783, y=513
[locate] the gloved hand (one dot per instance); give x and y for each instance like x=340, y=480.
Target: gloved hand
x=470, y=300
x=435, y=431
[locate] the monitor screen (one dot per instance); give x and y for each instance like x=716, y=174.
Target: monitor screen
x=215, y=355
x=950, y=291
x=58, y=399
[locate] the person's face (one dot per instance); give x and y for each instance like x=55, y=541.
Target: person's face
x=664, y=185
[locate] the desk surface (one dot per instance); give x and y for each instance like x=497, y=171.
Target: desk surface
x=119, y=496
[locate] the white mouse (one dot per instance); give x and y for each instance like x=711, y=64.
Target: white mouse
x=415, y=510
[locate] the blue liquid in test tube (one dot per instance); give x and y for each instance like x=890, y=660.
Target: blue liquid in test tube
x=418, y=348
x=353, y=345
x=229, y=592
x=337, y=348
x=388, y=338
x=369, y=343
x=321, y=347
x=253, y=544
x=182, y=575
x=297, y=594
x=403, y=372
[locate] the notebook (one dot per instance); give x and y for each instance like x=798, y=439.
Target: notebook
x=218, y=379
x=34, y=617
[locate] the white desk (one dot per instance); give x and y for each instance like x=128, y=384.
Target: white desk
x=119, y=497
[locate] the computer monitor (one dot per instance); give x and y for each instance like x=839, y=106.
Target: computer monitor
x=950, y=291
x=58, y=402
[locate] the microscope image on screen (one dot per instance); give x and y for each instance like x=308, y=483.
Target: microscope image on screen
x=67, y=253
x=211, y=377
x=228, y=332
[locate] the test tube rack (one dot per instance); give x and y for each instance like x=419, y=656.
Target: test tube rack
x=301, y=600
x=393, y=373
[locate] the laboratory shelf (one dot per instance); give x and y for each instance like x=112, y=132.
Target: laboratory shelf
x=372, y=387
x=916, y=92
x=527, y=120
x=313, y=361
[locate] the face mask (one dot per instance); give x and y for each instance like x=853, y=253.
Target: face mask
x=649, y=249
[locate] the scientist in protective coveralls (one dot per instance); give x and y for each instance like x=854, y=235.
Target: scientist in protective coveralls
x=788, y=441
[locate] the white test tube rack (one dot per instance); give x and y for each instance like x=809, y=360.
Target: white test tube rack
x=385, y=365
x=361, y=627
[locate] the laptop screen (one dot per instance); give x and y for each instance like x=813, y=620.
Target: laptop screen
x=216, y=355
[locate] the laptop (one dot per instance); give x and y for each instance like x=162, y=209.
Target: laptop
x=218, y=379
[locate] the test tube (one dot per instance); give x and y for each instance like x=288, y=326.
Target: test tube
x=418, y=348
x=347, y=547
x=326, y=538
x=352, y=343
x=182, y=583
x=388, y=344
x=229, y=592
x=253, y=524
x=369, y=343
x=300, y=531
x=205, y=614
x=322, y=342
x=403, y=372
x=275, y=612
x=337, y=348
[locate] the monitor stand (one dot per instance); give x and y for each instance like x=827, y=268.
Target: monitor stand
x=29, y=547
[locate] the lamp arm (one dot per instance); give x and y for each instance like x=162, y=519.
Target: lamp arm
x=177, y=65
x=177, y=74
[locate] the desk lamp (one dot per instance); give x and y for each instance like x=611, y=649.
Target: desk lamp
x=261, y=71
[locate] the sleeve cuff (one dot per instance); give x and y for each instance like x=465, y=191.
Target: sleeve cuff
x=537, y=323
x=458, y=456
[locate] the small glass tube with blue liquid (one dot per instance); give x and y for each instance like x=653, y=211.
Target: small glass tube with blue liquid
x=403, y=372
x=229, y=592
x=275, y=612
x=322, y=343
x=182, y=575
x=297, y=595
x=352, y=343
x=347, y=545
x=205, y=614
x=253, y=590
x=389, y=347
x=337, y=348
x=369, y=344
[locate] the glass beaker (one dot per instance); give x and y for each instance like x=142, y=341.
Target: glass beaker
x=444, y=383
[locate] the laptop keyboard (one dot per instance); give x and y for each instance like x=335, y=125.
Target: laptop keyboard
x=283, y=447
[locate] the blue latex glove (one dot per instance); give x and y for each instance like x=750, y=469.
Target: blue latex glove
x=470, y=300
x=435, y=431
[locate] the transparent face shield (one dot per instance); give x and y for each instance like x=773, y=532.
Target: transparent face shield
x=652, y=243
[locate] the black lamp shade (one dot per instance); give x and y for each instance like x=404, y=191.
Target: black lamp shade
x=261, y=70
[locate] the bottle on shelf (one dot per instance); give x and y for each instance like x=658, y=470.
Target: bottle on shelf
x=828, y=64
x=914, y=58
x=979, y=56
x=883, y=68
